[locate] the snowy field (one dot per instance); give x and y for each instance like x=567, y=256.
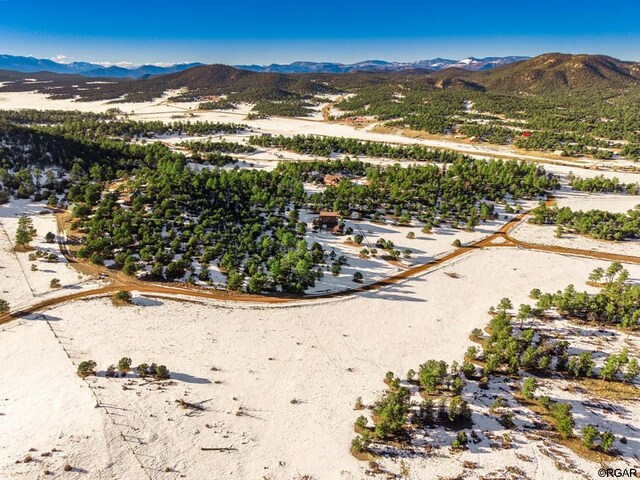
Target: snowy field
x=20, y=285
x=277, y=384
x=596, y=201
x=546, y=234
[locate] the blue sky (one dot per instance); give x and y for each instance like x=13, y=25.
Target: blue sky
x=237, y=31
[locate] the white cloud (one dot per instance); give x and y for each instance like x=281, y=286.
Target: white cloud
x=117, y=64
x=62, y=59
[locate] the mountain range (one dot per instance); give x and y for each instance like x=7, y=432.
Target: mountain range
x=550, y=73
x=469, y=63
x=32, y=65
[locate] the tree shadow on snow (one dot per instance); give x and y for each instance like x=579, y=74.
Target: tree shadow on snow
x=146, y=302
x=184, y=377
x=37, y=317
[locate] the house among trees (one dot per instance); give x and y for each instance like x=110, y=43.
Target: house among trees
x=356, y=120
x=328, y=220
x=333, y=180
x=128, y=198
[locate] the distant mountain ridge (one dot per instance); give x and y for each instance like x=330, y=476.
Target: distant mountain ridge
x=469, y=63
x=33, y=65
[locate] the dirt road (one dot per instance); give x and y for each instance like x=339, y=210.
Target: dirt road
x=119, y=281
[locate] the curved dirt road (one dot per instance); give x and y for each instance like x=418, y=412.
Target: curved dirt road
x=119, y=281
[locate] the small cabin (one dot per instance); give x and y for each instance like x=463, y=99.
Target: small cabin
x=333, y=180
x=128, y=198
x=526, y=134
x=328, y=220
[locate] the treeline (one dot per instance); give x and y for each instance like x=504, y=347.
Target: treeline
x=575, y=123
x=216, y=159
x=131, y=128
x=23, y=146
x=285, y=108
x=326, y=146
x=602, y=184
x=221, y=104
x=568, y=142
x=49, y=117
x=492, y=132
x=418, y=106
x=594, y=223
x=247, y=221
x=215, y=153
x=598, y=114
x=34, y=156
x=631, y=150
x=185, y=219
x=36, y=164
x=199, y=146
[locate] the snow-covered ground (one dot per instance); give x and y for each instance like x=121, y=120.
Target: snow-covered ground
x=593, y=170
x=277, y=383
x=424, y=247
x=19, y=285
x=546, y=234
x=596, y=201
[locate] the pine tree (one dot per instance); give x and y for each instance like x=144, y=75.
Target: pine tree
x=632, y=371
x=4, y=306
x=589, y=435
x=25, y=232
x=596, y=275
x=124, y=365
x=528, y=387
x=606, y=441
